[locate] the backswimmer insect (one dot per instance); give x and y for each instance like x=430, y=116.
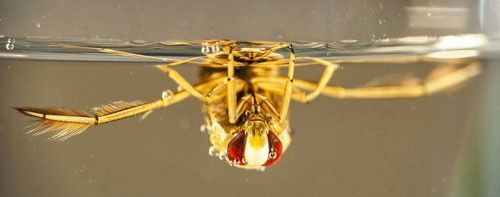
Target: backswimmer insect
x=246, y=100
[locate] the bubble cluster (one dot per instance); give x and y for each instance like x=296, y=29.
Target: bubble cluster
x=212, y=151
x=210, y=49
x=10, y=44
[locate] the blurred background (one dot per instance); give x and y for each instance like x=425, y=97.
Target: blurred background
x=319, y=20
x=442, y=145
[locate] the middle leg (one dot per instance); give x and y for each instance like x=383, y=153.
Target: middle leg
x=315, y=91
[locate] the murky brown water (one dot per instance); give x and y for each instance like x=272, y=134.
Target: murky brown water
x=344, y=147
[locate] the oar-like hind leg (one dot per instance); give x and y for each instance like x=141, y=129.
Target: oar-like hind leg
x=64, y=123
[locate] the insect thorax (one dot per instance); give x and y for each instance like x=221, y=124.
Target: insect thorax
x=220, y=130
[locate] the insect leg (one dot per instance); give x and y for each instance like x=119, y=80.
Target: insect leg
x=431, y=85
x=136, y=55
x=268, y=105
x=245, y=102
x=287, y=97
x=182, y=82
x=231, y=90
x=65, y=123
x=325, y=77
x=220, y=90
x=208, y=97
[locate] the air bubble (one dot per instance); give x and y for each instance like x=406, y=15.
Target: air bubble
x=234, y=162
x=212, y=151
x=238, y=162
x=222, y=156
x=273, y=155
x=203, y=128
x=167, y=94
x=210, y=49
x=10, y=44
x=216, y=49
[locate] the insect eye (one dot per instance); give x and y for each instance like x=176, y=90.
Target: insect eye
x=236, y=148
x=275, y=149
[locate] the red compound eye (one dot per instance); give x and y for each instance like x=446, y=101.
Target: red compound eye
x=275, y=149
x=236, y=148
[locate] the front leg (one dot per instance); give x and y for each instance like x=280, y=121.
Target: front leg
x=287, y=96
x=231, y=89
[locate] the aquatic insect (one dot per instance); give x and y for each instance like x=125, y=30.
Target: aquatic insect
x=246, y=99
